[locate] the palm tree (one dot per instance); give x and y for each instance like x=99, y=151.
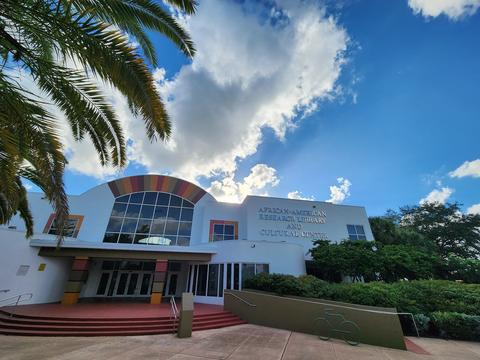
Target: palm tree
x=62, y=44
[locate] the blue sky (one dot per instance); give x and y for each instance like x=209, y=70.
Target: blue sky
x=388, y=103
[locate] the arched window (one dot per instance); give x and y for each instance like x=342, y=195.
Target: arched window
x=150, y=218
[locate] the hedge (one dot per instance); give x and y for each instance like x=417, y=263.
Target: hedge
x=417, y=297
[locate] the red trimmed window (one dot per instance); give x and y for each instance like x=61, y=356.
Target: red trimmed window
x=72, y=226
x=221, y=230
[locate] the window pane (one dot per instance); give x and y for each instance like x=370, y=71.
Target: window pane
x=108, y=265
x=186, y=203
x=228, y=237
x=218, y=229
x=150, y=198
x=352, y=237
x=236, y=276
x=229, y=229
x=123, y=198
x=136, y=198
x=169, y=240
x=359, y=229
x=194, y=279
x=175, y=201
x=125, y=238
x=119, y=209
x=187, y=214
x=141, y=239
x=163, y=199
x=158, y=226
x=171, y=227
x=185, y=228
x=147, y=212
x=261, y=268
x=351, y=229
x=173, y=213
x=362, y=237
x=102, y=285
x=129, y=225
x=183, y=241
x=212, y=280
x=220, y=281
x=229, y=276
x=248, y=271
x=218, y=237
x=202, y=280
x=143, y=226
x=114, y=225
x=161, y=212
x=145, y=284
x=149, y=266
x=133, y=211
x=110, y=238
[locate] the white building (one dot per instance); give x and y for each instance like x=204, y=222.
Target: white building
x=152, y=236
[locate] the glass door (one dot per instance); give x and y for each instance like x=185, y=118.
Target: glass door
x=171, y=288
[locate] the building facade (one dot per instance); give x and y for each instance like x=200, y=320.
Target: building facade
x=150, y=237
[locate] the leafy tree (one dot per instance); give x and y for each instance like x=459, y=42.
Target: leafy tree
x=62, y=44
x=453, y=232
x=457, y=268
x=357, y=259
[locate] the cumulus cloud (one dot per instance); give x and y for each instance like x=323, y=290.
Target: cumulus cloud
x=338, y=193
x=297, y=195
x=438, y=196
x=454, y=9
x=474, y=209
x=260, y=179
x=468, y=168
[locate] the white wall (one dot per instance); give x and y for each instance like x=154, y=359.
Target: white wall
x=46, y=286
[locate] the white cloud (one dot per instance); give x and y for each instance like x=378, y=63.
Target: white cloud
x=261, y=178
x=254, y=69
x=468, y=168
x=474, y=209
x=454, y=9
x=438, y=196
x=338, y=193
x=297, y=195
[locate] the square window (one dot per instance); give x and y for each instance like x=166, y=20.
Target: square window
x=218, y=237
x=110, y=238
x=185, y=229
x=129, y=225
x=171, y=227
x=229, y=229
x=183, y=241
x=160, y=212
x=158, y=226
x=187, y=214
x=352, y=237
x=119, y=209
x=143, y=226
x=141, y=239
x=125, y=239
x=123, y=199
x=133, y=211
x=114, y=225
x=147, y=211
x=150, y=198
x=163, y=199
x=175, y=201
x=136, y=198
x=173, y=213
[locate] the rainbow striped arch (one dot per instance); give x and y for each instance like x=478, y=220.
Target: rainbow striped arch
x=161, y=183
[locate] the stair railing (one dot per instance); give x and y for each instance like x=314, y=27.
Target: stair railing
x=239, y=298
x=15, y=300
x=173, y=312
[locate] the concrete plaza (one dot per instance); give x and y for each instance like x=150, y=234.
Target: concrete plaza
x=237, y=342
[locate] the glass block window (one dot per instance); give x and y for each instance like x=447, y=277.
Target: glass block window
x=150, y=218
x=356, y=232
x=221, y=230
x=72, y=226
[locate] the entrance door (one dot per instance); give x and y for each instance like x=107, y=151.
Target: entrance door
x=172, y=279
x=125, y=283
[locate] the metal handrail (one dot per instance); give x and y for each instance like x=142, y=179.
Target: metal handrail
x=174, y=311
x=14, y=300
x=239, y=298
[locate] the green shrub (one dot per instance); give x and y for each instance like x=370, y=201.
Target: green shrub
x=452, y=325
x=417, y=297
x=423, y=323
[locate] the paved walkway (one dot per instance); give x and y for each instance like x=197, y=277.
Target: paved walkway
x=243, y=342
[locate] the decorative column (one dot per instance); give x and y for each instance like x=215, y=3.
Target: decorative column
x=158, y=281
x=78, y=275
